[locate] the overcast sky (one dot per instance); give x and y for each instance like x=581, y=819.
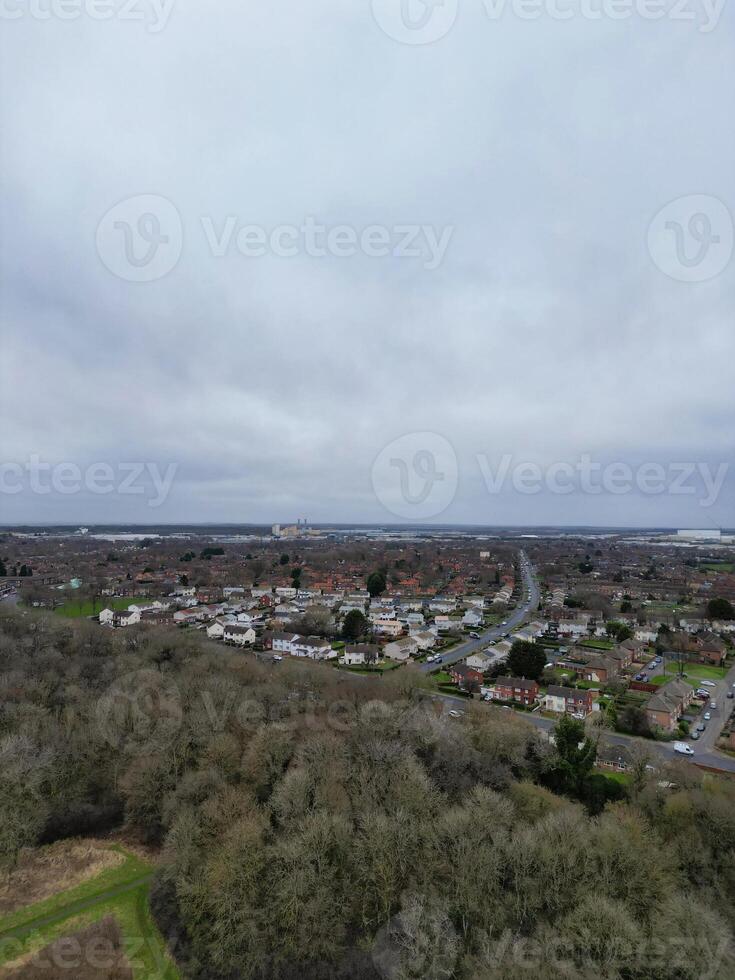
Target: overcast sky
x=541, y=320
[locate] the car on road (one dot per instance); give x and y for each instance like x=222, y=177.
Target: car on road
x=438, y=660
x=474, y=635
x=713, y=705
x=431, y=658
x=730, y=695
x=683, y=749
x=707, y=715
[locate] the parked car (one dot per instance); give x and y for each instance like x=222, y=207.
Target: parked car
x=638, y=677
x=683, y=749
x=713, y=705
x=455, y=714
x=438, y=660
x=708, y=684
x=431, y=658
x=474, y=635
x=707, y=715
x=701, y=727
x=694, y=735
x=730, y=695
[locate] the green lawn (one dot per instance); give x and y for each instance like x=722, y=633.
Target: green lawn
x=73, y=610
x=696, y=672
x=597, y=644
x=121, y=892
x=623, y=778
x=726, y=566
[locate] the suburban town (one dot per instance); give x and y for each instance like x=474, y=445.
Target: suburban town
x=633, y=636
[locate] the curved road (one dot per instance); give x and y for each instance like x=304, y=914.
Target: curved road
x=529, y=603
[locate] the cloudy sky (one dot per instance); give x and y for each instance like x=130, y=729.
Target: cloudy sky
x=262, y=261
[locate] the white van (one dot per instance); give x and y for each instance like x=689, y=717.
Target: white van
x=683, y=749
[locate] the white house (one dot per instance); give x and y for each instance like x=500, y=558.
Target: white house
x=106, y=617
x=401, y=650
x=389, y=627
x=240, y=635
x=357, y=654
x=480, y=661
x=472, y=618
x=443, y=623
x=216, y=630
x=313, y=647
x=128, y=618
x=425, y=640
x=281, y=642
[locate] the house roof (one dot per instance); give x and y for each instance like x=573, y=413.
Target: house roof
x=516, y=682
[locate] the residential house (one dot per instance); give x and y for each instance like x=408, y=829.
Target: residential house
x=668, y=704
x=401, y=650
x=568, y=700
x=472, y=618
x=313, y=647
x=216, y=630
x=425, y=640
x=711, y=649
x=513, y=689
x=480, y=661
x=128, y=617
x=239, y=635
x=617, y=758
x=358, y=654
x=279, y=642
x=388, y=627
x=465, y=677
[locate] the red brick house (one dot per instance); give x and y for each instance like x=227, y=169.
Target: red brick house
x=466, y=678
x=711, y=649
x=513, y=689
x=667, y=706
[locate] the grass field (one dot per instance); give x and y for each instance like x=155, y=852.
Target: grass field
x=694, y=672
x=598, y=644
x=75, y=610
x=121, y=892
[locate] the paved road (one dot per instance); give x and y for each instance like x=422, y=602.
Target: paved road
x=528, y=603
